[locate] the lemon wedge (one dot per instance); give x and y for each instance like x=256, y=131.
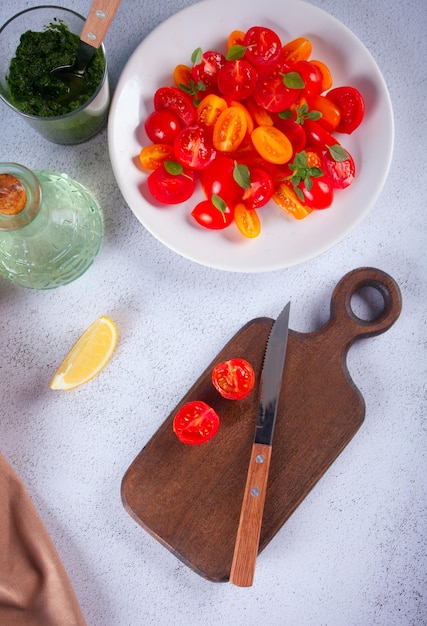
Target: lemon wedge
x=89, y=355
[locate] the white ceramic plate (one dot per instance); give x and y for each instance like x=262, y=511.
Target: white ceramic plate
x=283, y=241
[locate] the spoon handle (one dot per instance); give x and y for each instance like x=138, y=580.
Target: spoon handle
x=98, y=21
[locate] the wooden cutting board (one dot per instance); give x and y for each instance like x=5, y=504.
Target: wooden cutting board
x=189, y=497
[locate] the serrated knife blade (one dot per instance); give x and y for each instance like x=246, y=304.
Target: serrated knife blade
x=249, y=529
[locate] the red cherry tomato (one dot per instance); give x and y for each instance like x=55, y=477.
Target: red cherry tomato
x=195, y=422
x=162, y=126
x=351, y=104
x=321, y=194
x=263, y=46
x=260, y=191
x=217, y=179
x=234, y=379
x=193, y=148
x=207, y=70
x=294, y=132
x=311, y=76
x=237, y=79
x=340, y=174
x=175, y=100
x=171, y=188
x=272, y=94
x=208, y=215
x=317, y=135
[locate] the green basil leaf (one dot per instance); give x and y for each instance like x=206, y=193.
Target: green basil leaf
x=293, y=80
x=241, y=175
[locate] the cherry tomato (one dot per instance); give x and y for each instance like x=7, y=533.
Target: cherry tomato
x=162, y=126
x=209, y=109
x=247, y=220
x=217, y=179
x=193, y=148
x=152, y=156
x=237, y=79
x=207, y=70
x=175, y=100
x=297, y=50
x=331, y=114
x=230, y=129
x=195, y=422
x=311, y=76
x=317, y=135
x=326, y=74
x=320, y=195
x=263, y=46
x=294, y=132
x=272, y=94
x=182, y=75
x=208, y=215
x=272, y=144
x=285, y=197
x=260, y=191
x=171, y=188
x=234, y=379
x=259, y=115
x=235, y=38
x=340, y=174
x=351, y=104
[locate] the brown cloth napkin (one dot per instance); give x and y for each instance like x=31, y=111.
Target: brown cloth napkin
x=34, y=587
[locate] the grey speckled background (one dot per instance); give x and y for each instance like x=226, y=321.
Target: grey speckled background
x=354, y=553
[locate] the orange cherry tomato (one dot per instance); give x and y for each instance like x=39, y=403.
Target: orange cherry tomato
x=182, y=75
x=247, y=221
x=331, y=114
x=285, y=197
x=260, y=116
x=297, y=50
x=325, y=72
x=249, y=120
x=152, y=156
x=272, y=144
x=210, y=108
x=235, y=38
x=230, y=129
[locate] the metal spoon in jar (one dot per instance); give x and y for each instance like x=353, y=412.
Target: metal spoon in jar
x=95, y=28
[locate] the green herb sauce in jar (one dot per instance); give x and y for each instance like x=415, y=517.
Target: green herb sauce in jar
x=33, y=89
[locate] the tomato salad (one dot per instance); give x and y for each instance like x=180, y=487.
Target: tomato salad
x=256, y=123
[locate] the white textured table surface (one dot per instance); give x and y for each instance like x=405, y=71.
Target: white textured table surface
x=354, y=552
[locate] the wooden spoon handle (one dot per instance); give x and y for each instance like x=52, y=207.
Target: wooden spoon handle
x=249, y=530
x=98, y=21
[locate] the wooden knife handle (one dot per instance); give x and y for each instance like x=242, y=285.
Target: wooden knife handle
x=249, y=530
x=98, y=21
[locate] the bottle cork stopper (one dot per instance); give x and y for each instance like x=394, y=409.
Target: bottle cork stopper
x=13, y=197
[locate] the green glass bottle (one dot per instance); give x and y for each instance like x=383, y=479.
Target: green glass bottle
x=51, y=227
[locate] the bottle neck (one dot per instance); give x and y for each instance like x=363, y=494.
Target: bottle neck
x=20, y=196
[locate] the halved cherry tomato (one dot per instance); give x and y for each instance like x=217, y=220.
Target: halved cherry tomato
x=351, y=104
x=235, y=38
x=233, y=379
x=237, y=79
x=210, y=108
x=162, y=126
x=193, y=148
x=247, y=220
x=272, y=144
x=196, y=422
x=326, y=74
x=285, y=197
x=260, y=116
x=217, y=179
x=297, y=50
x=263, y=46
x=152, y=156
x=260, y=191
x=340, y=174
x=272, y=94
x=249, y=121
x=331, y=114
x=171, y=188
x=175, y=100
x=182, y=75
x=208, y=215
x=207, y=70
x=230, y=129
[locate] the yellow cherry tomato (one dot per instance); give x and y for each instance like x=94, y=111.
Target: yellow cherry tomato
x=210, y=108
x=230, y=129
x=152, y=156
x=272, y=144
x=286, y=199
x=247, y=221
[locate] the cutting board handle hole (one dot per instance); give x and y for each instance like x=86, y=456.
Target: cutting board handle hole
x=367, y=303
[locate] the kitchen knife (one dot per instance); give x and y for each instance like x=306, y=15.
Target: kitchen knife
x=249, y=529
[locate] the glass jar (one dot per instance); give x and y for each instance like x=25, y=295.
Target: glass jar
x=51, y=227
